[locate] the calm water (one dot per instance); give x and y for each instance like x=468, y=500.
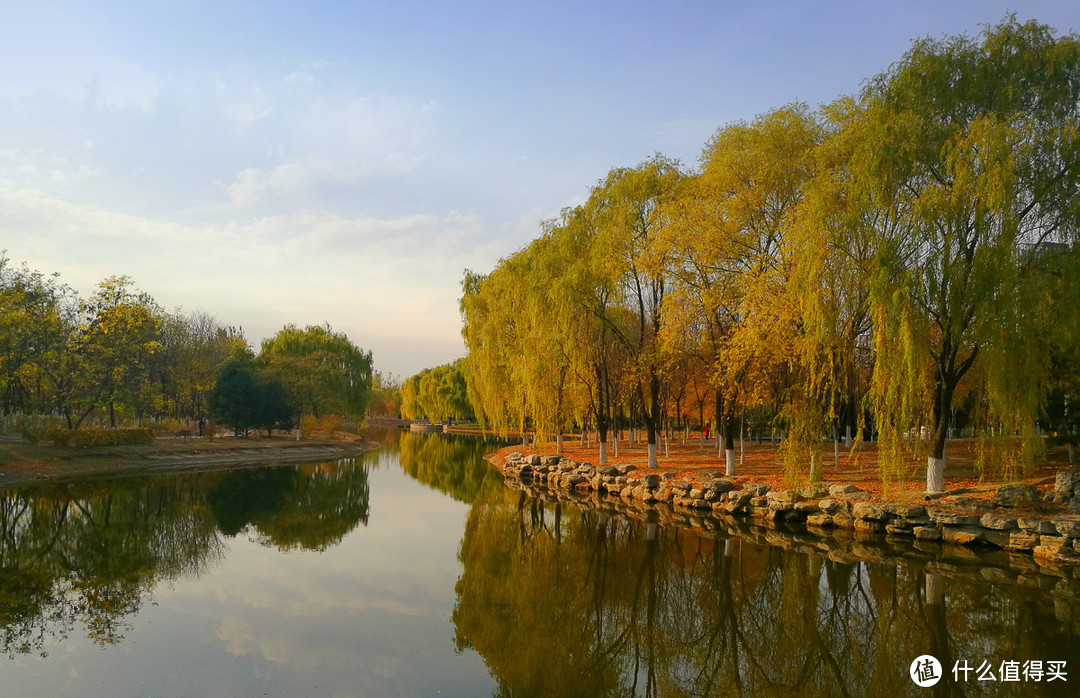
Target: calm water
x=413, y=572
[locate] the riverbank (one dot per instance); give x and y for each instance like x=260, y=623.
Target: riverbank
x=1036, y=520
x=21, y=462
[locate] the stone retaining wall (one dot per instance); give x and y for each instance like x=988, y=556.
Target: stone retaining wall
x=1052, y=542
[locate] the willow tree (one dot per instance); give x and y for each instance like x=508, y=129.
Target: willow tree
x=594, y=325
x=490, y=312
x=324, y=372
x=633, y=215
x=970, y=149
x=831, y=241
x=730, y=227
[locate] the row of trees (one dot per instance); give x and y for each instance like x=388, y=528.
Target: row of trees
x=118, y=357
x=438, y=393
x=889, y=259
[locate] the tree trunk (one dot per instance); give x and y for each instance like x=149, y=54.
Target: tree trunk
x=836, y=444
x=652, y=416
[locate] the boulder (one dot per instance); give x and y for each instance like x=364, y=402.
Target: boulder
x=997, y=522
x=720, y=485
x=926, y=532
x=1068, y=525
x=832, y=506
x=815, y=490
x=906, y=511
x=841, y=490
x=870, y=511
x=952, y=518
x=1066, y=482
x=756, y=489
x=962, y=535
x=1015, y=495
x=1024, y=541
x=1036, y=525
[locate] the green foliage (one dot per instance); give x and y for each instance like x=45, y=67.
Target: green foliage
x=322, y=371
x=436, y=394
x=245, y=397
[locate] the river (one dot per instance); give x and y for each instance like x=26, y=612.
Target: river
x=413, y=571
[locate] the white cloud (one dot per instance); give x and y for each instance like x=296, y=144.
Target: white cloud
x=392, y=284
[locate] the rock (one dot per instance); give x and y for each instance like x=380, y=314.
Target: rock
x=870, y=511
x=841, y=490
x=720, y=485
x=843, y=520
x=906, y=511
x=997, y=522
x=962, y=535
x=926, y=532
x=609, y=470
x=759, y=502
x=869, y=525
x=785, y=496
x=577, y=479
x=739, y=497
x=832, y=506
x=815, y=490
x=651, y=481
x=1015, y=495
x=898, y=529
x=1068, y=525
x=807, y=507
x=697, y=493
x=668, y=476
x=1036, y=525
x=972, y=503
x=756, y=489
x=1023, y=541
x=820, y=520
x=1066, y=482
x=626, y=469
x=952, y=518
x=516, y=455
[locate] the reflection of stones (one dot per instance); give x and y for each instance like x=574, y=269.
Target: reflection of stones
x=838, y=518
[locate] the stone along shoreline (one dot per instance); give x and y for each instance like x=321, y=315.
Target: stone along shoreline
x=1033, y=533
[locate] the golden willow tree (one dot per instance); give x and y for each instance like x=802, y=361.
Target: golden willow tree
x=969, y=150
x=632, y=210
x=727, y=244
x=889, y=256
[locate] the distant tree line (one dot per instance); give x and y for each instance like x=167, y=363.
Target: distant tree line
x=118, y=358
x=437, y=394
x=901, y=262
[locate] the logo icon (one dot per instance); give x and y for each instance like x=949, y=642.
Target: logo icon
x=925, y=671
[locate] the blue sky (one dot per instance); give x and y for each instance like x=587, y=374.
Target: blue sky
x=344, y=162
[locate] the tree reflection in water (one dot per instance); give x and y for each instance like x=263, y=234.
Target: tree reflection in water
x=90, y=553
x=581, y=602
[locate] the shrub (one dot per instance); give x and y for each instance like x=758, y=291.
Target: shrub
x=86, y=438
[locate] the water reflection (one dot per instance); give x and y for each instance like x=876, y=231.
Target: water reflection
x=258, y=577
x=567, y=601
x=90, y=553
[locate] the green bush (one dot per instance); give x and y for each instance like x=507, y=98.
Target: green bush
x=85, y=438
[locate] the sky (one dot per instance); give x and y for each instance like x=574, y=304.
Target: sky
x=344, y=162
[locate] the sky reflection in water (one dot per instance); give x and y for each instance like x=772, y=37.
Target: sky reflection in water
x=414, y=571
